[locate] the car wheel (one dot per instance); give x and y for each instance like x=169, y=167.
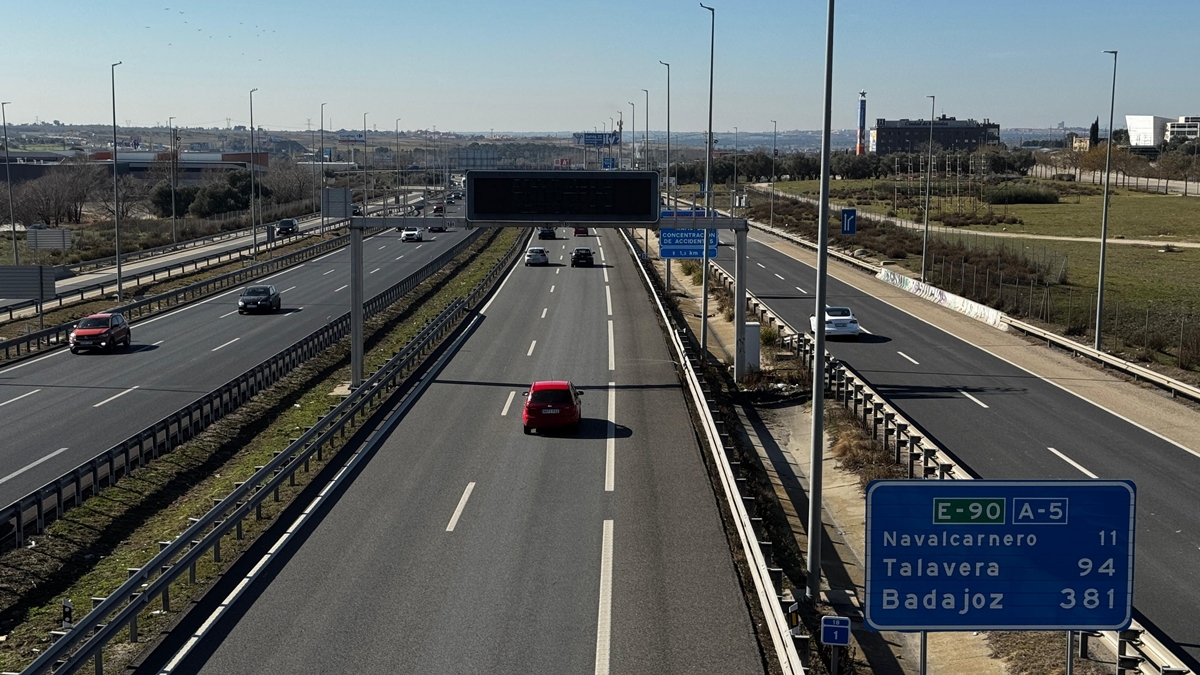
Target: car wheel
x=129, y=340
x=74, y=350
x=528, y=431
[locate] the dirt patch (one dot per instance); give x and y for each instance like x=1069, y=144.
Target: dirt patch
x=1041, y=653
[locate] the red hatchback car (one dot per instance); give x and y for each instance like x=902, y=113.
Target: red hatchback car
x=552, y=403
x=100, y=331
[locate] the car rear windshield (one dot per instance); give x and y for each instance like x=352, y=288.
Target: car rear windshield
x=537, y=250
x=838, y=311
x=583, y=251
x=93, y=323
x=257, y=290
x=287, y=221
x=551, y=396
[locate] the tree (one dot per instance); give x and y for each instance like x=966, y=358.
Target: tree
x=130, y=191
x=1120, y=136
x=1094, y=134
x=288, y=182
x=79, y=182
x=221, y=196
x=160, y=198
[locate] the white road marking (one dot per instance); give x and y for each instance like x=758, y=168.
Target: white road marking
x=560, y=257
x=981, y=403
x=551, y=288
x=544, y=312
x=608, y=298
x=342, y=288
x=399, y=258
x=227, y=314
x=461, y=503
x=604, y=621
x=383, y=247
x=610, y=453
x=19, y=397
x=1073, y=463
x=761, y=265
x=288, y=289
x=612, y=362
x=606, y=275
x=294, y=311
x=375, y=270
x=557, y=270
x=27, y=363
x=30, y=465
x=860, y=327
x=420, y=245
x=531, y=346
x=915, y=362
x=496, y=294
x=158, y=343
x=114, y=396
x=227, y=343
x=601, y=254
x=780, y=278
x=332, y=271
x=511, y=395
x=801, y=289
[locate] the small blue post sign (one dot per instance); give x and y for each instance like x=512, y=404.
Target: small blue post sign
x=680, y=243
x=953, y=555
x=849, y=221
x=835, y=631
x=610, y=162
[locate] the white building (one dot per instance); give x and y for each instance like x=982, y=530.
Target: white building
x=1186, y=127
x=1146, y=131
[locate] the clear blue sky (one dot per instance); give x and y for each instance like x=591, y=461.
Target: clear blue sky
x=569, y=65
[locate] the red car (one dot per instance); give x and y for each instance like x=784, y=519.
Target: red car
x=100, y=331
x=552, y=403
x=581, y=232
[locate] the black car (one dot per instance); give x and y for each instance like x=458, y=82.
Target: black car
x=582, y=257
x=546, y=233
x=287, y=226
x=357, y=210
x=259, y=299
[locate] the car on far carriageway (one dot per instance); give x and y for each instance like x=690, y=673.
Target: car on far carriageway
x=552, y=404
x=105, y=331
x=287, y=226
x=536, y=255
x=581, y=256
x=839, y=322
x=259, y=299
x=410, y=234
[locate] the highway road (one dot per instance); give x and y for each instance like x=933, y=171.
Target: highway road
x=59, y=410
x=465, y=546
x=1003, y=422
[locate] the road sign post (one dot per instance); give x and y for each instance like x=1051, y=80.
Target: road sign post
x=1000, y=555
x=849, y=221
x=835, y=633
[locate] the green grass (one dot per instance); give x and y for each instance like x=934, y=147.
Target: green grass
x=121, y=527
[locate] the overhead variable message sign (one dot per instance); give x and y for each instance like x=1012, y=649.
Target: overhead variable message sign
x=1010, y=555
x=686, y=243
x=563, y=197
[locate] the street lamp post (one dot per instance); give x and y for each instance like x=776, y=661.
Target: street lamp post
x=633, y=135
x=621, y=128
x=667, y=170
x=323, y=167
x=733, y=195
x=12, y=222
x=365, y=163
x=116, y=196
x=399, y=177
x=928, y=179
x=1104, y=215
x=253, y=222
x=708, y=212
x=646, y=132
x=774, y=136
x=174, y=232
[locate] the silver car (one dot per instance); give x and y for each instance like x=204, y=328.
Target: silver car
x=536, y=255
x=839, y=321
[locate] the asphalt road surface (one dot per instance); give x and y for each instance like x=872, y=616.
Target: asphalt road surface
x=1003, y=422
x=59, y=410
x=465, y=546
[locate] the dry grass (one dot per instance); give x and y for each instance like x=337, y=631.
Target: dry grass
x=856, y=451
x=1039, y=653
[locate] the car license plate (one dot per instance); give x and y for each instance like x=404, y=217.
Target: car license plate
x=839, y=325
x=550, y=411
x=86, y=343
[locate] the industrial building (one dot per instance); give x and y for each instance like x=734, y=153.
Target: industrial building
x=1146, y=131
x=889, y=136
x=140, y=164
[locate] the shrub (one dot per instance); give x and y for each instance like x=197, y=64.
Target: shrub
x=1022, y=194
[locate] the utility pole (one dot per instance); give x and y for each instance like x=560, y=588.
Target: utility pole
x=774, y=152
x=253, y=222
x=116, y=196
x=323, y=168
x=8, y=175
x=667, y=172
x=174, y=232
x=928, y=179
x=708, y=185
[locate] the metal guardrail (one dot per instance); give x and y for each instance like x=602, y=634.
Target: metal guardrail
x=69, y=489
x=928, y=461
x=153, y=580
x=768, y=581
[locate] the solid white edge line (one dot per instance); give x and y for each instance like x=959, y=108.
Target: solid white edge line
x=19, y=397
x=604, y=618
x=531, y=346
x=508, y=403
x=608, y=299
x=226, y=344
x=610, y=453
x=496, y=293
x=114, y=396
x=612, y=361
x=981, y=403
x=30, y=465
x=29, y=363
x=1073, y=463
x=915, y=362
x=461, y=504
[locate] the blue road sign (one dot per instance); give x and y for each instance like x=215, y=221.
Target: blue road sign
x=849, y=221
x=1000, y=554
x=686, y=243
x=835, y=631
x=610, y=162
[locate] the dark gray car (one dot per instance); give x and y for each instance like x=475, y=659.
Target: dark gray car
x=259, y=299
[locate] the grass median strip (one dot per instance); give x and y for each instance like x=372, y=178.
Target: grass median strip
x=87, y=552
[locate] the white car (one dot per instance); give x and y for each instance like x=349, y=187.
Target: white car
x=839, y=321
x=411, y=234
x=536, y=255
